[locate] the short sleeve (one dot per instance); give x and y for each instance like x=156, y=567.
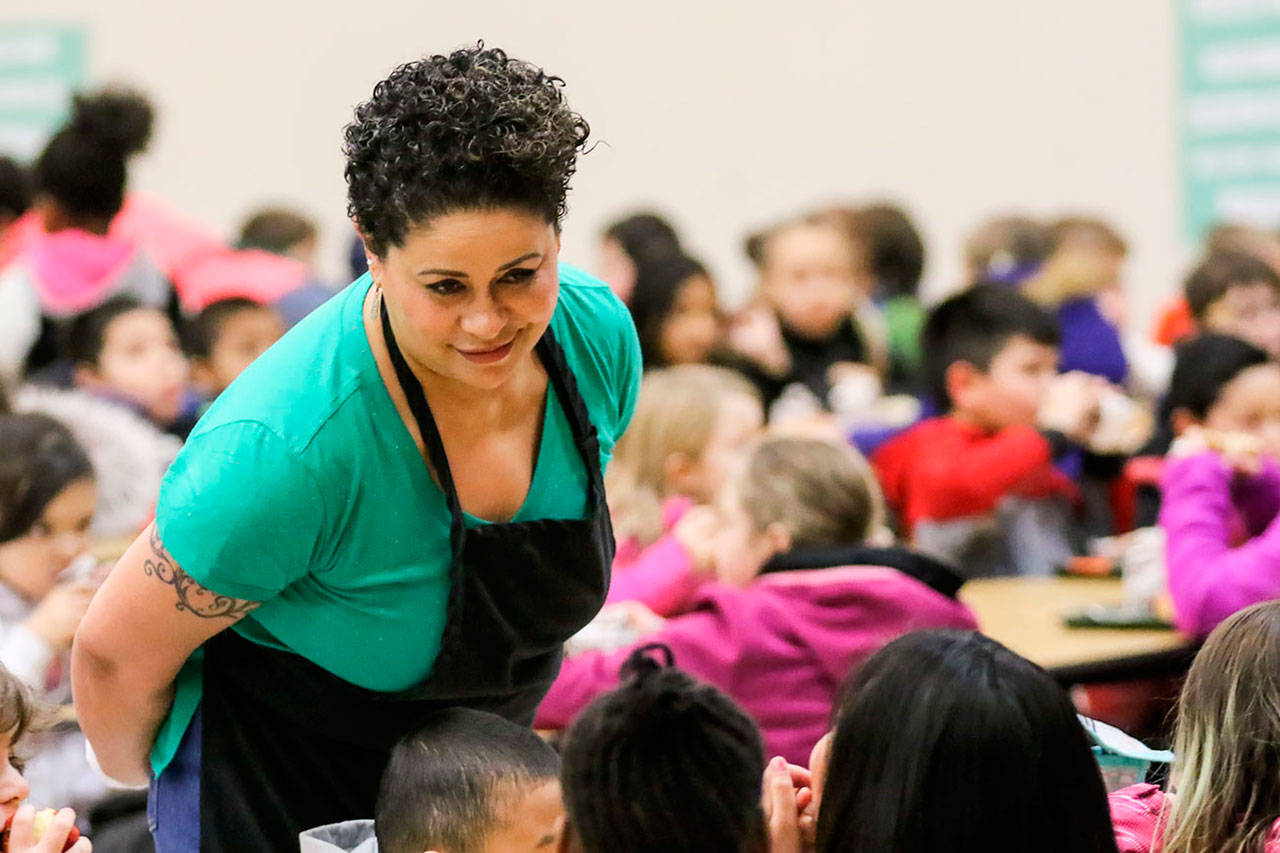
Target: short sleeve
x=240, y=512
x=630, y=366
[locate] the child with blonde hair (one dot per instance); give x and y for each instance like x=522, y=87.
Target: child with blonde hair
x=1226, y=781
x=692, y=423
x=799, y=594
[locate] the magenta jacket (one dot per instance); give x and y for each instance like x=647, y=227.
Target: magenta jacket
x=1138, y=822
x=660, y=576
x=1223, y=539
x=780, y=647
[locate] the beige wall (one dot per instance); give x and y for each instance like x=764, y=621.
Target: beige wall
x=724, y=114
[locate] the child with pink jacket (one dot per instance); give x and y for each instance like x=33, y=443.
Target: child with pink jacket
x=798, y=599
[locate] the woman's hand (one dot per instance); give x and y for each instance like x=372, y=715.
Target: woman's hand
x=22, y=834
x=146, y=620
x=58, y=615
x=786, y=797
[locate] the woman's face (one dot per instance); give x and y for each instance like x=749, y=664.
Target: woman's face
x=470, y=293
x=690, y=331
x=30, y=564
x=13, y=787
x=142, y=361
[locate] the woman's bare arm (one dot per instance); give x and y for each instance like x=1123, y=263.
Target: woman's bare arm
x=143, y=624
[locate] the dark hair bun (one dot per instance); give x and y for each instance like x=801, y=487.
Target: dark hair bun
x=117, y=119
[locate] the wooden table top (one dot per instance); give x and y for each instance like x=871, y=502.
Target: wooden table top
x=1026, y=614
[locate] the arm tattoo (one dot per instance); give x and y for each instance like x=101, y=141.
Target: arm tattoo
x=192, y=597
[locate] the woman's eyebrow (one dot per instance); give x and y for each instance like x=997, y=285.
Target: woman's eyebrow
x=460, y=274
x=509, y=264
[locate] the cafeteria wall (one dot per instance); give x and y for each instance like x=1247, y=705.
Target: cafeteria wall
x=727, y=115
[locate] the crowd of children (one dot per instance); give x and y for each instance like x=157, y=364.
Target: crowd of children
x=805, y=485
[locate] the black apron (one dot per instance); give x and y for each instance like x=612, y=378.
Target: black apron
x=288, y=746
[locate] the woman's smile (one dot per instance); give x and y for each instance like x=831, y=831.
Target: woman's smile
x=488, y=355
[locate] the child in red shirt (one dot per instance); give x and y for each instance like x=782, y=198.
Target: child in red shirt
x=978, y=486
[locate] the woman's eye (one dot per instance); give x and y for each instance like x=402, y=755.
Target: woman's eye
x=518, y=276
x=447, y=287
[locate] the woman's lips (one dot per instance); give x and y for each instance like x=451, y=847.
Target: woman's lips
x=488, y=356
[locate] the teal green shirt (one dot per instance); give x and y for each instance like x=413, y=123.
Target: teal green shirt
x=301, y=488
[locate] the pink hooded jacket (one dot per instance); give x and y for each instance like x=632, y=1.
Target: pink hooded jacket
x=1222, y=539
x=1136, y=817
x=781, y=647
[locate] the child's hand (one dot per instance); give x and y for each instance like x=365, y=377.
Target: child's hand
x=696, y=532
x=1071, y=406
x=54, y=838
x=58, y=615
x=639, y=618
x=786, y=797
x=1239, y=451
x=756, y=334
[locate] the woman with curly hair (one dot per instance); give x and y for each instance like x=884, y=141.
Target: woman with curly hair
x=399, y=506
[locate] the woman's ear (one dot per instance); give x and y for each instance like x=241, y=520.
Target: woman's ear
x=1182, y=420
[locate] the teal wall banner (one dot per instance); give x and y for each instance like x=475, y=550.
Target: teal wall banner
x=40, y=66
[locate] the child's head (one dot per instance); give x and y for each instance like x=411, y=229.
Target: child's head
x=1237, y=294
x=691, y=424
x=990, y=354
x=809, y=274
x=226, y=337
x=1226, y=385
x=18, y=716
x=675, y=311
x=47, y=501
x=1227, y=738
x=1092, y=235
x=793, y=493
x=1007, y=249
x=129, y=350
x=282, y=232
x=629, y=244
x=663, y=762
x=15, y=191
x=946, y=740
x=1262, y=243
x=890, y=247
x=80, y=177
x=470, y=782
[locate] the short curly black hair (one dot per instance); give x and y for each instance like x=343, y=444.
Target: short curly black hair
x=471, y=130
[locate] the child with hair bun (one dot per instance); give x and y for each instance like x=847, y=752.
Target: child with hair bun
x=72, y=263
x=799, y=593
x=662, y=762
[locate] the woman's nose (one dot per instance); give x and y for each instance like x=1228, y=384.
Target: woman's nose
x=484, y=322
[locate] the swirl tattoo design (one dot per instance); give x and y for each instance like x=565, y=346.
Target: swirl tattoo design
x=192, y=597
